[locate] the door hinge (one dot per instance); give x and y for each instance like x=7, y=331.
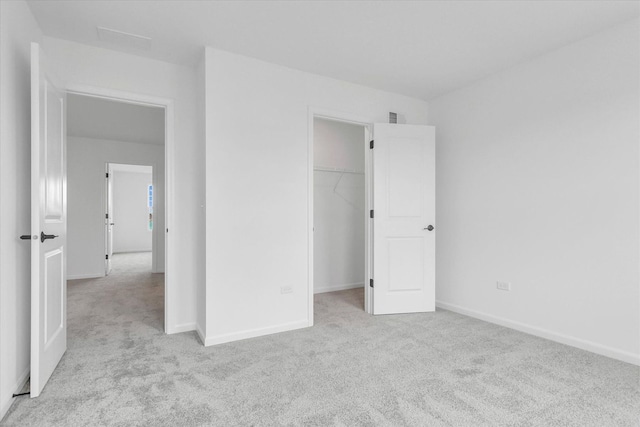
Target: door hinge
x=107, y=174
x=371, y=283
x=371, y=213
x=371, y=144
x=106, y=256
x=106, y=216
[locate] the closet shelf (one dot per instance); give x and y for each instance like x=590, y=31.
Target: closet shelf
x=326, y=169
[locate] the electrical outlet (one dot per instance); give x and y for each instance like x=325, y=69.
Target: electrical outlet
x=286, y=289
x=503, y=286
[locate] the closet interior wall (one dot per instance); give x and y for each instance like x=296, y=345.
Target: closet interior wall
x=339, y=204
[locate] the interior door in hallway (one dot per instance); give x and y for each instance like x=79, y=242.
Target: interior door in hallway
x=403, y=219
x=48, y=222
x=109, y=220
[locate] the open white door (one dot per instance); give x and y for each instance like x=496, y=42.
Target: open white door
x=48, y=223
x=108, y=225
x=403, y=219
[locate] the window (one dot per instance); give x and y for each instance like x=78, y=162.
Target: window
x=150, y=204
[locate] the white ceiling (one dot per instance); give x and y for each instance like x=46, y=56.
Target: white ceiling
x=421, y=49
x=99, y=118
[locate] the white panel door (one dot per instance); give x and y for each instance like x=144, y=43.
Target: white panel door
x=48, y=223
x=109, y=220
x=404, y=219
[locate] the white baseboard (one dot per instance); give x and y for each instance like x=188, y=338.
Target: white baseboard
x=85, y=276
x=591, y=346
x=183, y=327
x=6, y=405
x=253, y=333
x=333, y=288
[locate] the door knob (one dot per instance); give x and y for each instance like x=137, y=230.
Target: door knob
x=44, y=237
x=430, y=228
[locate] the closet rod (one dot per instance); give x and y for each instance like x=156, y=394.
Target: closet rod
x=325, y=169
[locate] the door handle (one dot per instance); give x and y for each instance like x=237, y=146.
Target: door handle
x=27, y=237
x=430, y=228
x=44, y=237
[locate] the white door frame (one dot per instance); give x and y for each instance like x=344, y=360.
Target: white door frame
x=167, y=104
x=367, y=123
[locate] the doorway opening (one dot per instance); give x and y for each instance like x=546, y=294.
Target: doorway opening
x=117, y=199
x=129, y=227
x=339, y=211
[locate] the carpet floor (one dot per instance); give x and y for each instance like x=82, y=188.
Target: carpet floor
x=350, y=369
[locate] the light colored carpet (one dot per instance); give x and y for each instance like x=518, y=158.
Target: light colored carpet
x=351, y=369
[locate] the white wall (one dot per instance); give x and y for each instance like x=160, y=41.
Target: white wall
x=86, y=161
x=338, y=145
x=89, y=66
x=338, y=207
x=201, y=292
x=17, y=29
x=131, y=212
x=537, y=185
x=258, y=188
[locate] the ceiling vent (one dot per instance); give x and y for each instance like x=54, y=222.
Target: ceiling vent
x=393, y=118
x=124, y=39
